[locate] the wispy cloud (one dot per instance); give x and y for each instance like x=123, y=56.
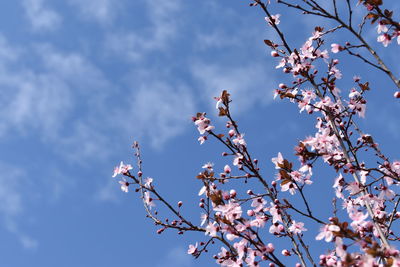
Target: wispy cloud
x=12, y=182
x=163, y=25
x=248, y=84
x=176, y=257
x=101, y=11
x=158, y=111
x=41, y=17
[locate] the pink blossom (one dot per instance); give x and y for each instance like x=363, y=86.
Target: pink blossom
x=122, y=169
x=276, y=228
x=219, y=102
x=297, y=227
x=327, y=232
x=237, y=161
x=204, y=218
x=192, y=249
x=386, y=192
x=202, y=139
x=147, y=182
x=239, y=140
x=211, y=229
x=358, y=106
x=259, y=222
x=335, y=48
x=227, y=169
x=276, y=214
x=202, y=190
x=258, y=204
x=353, y=188
x=148, y=200
x=208, y=166
x=230, y=211
x=336, y=72
x=281, y=64
x=385, y=39
x=274, y=19
x=289, y=186
x=124, y=185
x=338, y=185
x=358, y=218
x=381, y=28
x=278, y=160
x=203, y=124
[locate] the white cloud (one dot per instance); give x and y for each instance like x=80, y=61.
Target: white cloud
x=47, y=100
x=102, y=11
x=163, y=27
x=41, y=17
x=33, y=100
x=158, y=111
x=248, y=84
x=10, y=193
x=176, y=257
x=12, y=197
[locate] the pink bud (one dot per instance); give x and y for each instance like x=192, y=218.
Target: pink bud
x=270, y=248
x=227, y=169
x=232, y=193
x=231, y=132
x=140, y=173
x=282, y=86
x=274, y=54
x=249, y=192
x=397, y=94
x=286, y=252
x=180, y=203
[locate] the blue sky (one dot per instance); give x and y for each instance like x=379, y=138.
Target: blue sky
x=81, y=79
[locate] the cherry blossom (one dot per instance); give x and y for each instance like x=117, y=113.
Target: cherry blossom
x=122, y=169
x=124, y=185
x=192, y=249
x=327, y=232
x=297, y=227
x=274, y=18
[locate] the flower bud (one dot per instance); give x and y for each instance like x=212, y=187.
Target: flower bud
x=270, y=248
x=227, y=169
x=274, y=54
x=397, y=94
x=250, y=213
